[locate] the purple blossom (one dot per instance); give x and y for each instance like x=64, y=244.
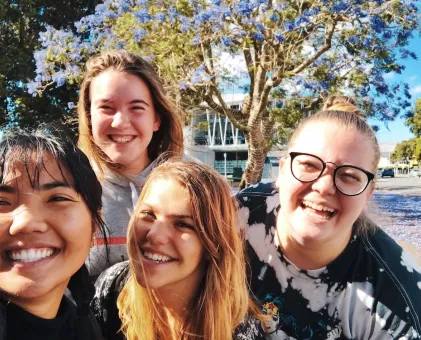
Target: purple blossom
x=142, y=16
x=173, y=14
x=289, y=26
x=259, y=36
x=259, y=26
x=71, y=105
x=279, y=36
x=32, y=87
x=377, y=23
x=301, y=21
x=226, y=41
x=196, y=40
x=339, y=6
x=183, y=85
x=59, y=78
x=274, y=17
x=185, y=24
x=353, y=39
x=159, y=17
x=138, y=34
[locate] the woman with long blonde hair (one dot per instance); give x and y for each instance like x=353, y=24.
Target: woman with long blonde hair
x=186, y=277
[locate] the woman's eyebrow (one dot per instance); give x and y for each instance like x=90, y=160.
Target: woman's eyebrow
x=55, y=184
x=7, y=188
x=139, y=101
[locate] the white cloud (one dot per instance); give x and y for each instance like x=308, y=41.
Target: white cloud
x=390, y=75
x=412, y=79
x=415, y=90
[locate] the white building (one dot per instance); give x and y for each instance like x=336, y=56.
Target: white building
x=217, y=143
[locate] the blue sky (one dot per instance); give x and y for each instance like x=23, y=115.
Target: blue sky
x=397, y=131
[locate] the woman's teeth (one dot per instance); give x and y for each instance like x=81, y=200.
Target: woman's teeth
x=318, y=210
x=121, y=139
x=30, y=255
x=318, y=206
x=157, y=257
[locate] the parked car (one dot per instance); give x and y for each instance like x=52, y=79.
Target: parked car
x=379, y=172
x=415, y=173
x=388, y=172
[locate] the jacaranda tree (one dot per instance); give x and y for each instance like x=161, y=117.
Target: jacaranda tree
x=296, y=51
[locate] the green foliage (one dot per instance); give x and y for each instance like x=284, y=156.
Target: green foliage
x=405, y=151
x=20, y=24
x=414, y=122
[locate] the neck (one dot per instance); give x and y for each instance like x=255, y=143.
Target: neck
x=134, y=169
x=309, y=254
x=45, y=306
x=175, y=303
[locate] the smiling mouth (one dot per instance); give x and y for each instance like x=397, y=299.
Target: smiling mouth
x=30, y=255
x=157, y=258
x=121, y=139
x=318, y=210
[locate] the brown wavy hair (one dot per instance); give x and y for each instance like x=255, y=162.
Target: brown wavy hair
x=169, y=137
x=222, y=301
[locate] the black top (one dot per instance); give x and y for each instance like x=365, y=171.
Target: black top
x=17, y=324
x=371, y=291
x=111, y=282
x=23, y=325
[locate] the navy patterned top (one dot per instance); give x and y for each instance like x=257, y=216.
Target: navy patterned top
x=104, y=305
x=370, y=291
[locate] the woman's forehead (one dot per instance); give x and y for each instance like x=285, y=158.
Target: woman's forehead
x=36, y=170
x=335, y=144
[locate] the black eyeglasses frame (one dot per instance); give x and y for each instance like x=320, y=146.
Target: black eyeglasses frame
x=370, y=175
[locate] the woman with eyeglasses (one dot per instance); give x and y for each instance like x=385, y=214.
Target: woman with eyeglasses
x=320, y=268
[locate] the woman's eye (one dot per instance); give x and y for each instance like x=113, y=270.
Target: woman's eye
x=184, y=225
x=137, y=108
x=3, y=202
x=146, y=214
x=58, y=199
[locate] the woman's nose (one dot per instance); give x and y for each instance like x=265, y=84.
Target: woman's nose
x=27, y=220
x=159, y=233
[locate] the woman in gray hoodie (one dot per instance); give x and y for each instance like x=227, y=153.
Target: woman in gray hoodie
x=125, y=123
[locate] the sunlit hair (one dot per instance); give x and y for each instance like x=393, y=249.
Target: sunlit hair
x=342, y=111
x=169, y=137
x=223, y=300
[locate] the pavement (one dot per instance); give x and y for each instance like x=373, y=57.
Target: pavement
x=396, y=207
x=400, y=184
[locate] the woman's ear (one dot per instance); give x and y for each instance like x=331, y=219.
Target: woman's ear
x=282, y=163
x=95, y=229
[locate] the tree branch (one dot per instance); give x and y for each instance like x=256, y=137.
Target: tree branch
x=223, y=108
x=327, y=45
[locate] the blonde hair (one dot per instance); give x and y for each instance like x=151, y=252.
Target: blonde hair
x=169, y=137
x=223, y=300
x=343, y=111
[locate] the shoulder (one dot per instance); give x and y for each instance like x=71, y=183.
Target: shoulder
x=107, y=288
x=258, y=204
x=401, y=275
x=112, y=279
x=249, y=329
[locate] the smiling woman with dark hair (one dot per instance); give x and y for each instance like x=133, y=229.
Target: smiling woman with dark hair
x=50, y=203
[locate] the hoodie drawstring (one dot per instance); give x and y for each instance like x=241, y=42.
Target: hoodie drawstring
x=135, y=196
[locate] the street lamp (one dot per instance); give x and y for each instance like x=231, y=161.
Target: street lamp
x=225, y=164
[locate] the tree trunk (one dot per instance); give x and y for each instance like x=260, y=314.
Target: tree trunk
x=256, y=153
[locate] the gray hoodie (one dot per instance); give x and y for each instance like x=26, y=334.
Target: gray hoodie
x=119, y=198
